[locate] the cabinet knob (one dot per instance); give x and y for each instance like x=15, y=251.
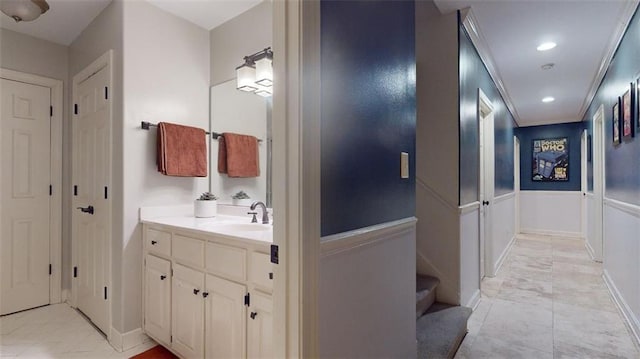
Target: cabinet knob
x=153, y=243
x=205, y=294
x=196, y=291
x=162, y=277
x=270, y=275
x=253, y=315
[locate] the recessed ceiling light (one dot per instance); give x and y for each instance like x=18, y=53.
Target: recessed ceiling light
x=548, y=99
x=546, y=46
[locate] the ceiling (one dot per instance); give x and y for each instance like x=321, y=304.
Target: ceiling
x=586, y=33
x=66, y=19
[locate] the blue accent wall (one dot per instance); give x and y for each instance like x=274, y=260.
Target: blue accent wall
x=474, y=76
x=368, y=113
x=622, y=162
x=526, y=135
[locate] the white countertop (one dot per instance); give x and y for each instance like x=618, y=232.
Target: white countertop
x=218, y=225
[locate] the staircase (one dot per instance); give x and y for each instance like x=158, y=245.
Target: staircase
x=440, y=328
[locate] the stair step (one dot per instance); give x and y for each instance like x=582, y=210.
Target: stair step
x=425, y=293
x=440, y=333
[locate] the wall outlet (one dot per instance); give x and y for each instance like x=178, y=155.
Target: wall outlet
x=404, y=165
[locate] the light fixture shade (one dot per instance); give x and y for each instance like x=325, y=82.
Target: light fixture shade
x=263, y=91
x=24, y=10
x=246, y=78
x=264, y=72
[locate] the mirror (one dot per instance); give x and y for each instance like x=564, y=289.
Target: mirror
x=245, y=113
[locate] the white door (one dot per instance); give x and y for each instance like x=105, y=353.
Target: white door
x=516, y=181
x=595, y=241
x=486, y=185
x=25, y=175
x=225, y=319
x=583, y=182
x=260, y=326
x=92, y=211
x=187, y=312
x=157, y=298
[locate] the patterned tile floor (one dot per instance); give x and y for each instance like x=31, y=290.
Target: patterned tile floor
x=56, y=331
x=547, y=301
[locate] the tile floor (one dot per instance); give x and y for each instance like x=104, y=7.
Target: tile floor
x=547, y=301
x=56, y=331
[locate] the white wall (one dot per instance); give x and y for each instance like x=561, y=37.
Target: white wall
x=28, y=54
x=166, y=78
x=551, y=212
x=622, y=257
x=366, y=299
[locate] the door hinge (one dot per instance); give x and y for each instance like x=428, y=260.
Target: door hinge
x=106, y=192
x=105, y=293
x=106, y=93
x=50, y=190
x=50, y=111
x=50, y=269
x=247, y=300
x=274, y=254
x=75, y=190
x=75, y=108
x=75, y=272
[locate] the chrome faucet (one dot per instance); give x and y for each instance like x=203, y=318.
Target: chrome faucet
x=265, y=214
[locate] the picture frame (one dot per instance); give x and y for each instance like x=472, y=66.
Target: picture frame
x=637, y=104
x=550, y=160
x=626, y=116
x=616, y=122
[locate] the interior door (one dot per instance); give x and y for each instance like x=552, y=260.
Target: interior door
x=486, y=185
x=92, y=214
x=583, y=182
x=25, y=175
x=596, y=241
x=482, y=196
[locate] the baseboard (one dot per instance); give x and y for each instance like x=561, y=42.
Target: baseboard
x=123, y=342
x=503, y=256
x=591, y=251
x=631, y=320
x=545, y=232
x=474, y=301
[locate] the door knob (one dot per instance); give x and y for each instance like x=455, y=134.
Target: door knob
x=86, y=209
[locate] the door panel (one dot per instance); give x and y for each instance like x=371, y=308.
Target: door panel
x=225, y=319
x=157, y=298
x=91, y=175
x=187, y=312
x=25, y=175
x=260, y=337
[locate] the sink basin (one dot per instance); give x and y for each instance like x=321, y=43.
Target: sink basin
x=245, y=227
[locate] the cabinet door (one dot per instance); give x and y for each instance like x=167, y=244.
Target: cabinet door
x=225, y=321
x=157, y=298
x=187, y=312
x=260, y=326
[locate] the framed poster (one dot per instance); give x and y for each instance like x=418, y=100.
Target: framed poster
x=637, y=101
x=550, y=162
x=616, y=122
x=627, y=120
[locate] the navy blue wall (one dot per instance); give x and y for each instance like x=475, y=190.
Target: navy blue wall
x=474, y=75
x=368, y=113
x=526, y=135
x=622, y=162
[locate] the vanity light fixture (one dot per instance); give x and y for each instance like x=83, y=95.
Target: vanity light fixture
x=256, y=74
x=548, y=99
x=24, y=10
x=546, y=46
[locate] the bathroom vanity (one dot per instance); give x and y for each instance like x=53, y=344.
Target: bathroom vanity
x=207, y=285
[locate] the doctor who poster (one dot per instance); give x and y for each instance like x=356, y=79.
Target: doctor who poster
x=550, y=160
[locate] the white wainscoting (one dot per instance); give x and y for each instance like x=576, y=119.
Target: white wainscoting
x=470, y=254
x=591, y=226
x=504, y=223
x=622, y=258
x=367, y=299
x=551, y=212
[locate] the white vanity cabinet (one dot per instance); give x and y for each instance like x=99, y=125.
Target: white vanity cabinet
x=207, y=295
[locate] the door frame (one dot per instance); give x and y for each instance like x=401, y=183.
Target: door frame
x=485, y=113
x=55, y=205
x=105, y=60
x=583, y=184
x=599, y=184
x=516, y=182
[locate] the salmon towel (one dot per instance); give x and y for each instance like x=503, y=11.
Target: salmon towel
x=238, y=155
x=182, y=150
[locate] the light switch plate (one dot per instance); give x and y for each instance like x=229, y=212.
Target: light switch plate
x=404, y=165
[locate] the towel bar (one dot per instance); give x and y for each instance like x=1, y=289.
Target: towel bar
x=145, y=126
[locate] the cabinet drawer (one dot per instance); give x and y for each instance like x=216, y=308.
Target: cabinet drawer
x=260, y=270
x=230, y=262
x=158, y=241
x=187, y=249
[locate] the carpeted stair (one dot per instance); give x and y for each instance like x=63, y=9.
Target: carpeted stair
x=440, y=328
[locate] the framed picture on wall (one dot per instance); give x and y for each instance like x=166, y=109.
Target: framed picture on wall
x=616, y=122
x=550, y=162
x=637, y=101
x=627, y=119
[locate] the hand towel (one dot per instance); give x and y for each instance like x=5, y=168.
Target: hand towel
x=238, y=155
x=182, y=150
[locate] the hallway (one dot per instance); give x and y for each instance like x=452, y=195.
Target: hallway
x=547, y=301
